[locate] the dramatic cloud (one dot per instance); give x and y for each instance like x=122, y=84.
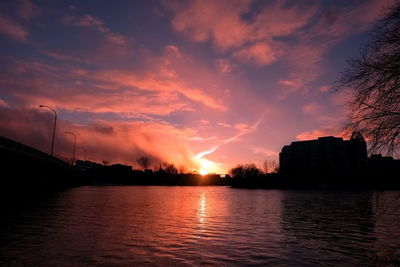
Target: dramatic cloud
x=117, y=91
x=111, y=141
x=153, y=83
x=222, y=22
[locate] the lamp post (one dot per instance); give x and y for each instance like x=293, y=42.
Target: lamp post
x=54, y=127
x=73, y=152
x=84, y=150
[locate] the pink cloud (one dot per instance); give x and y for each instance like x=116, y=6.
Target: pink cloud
x=325, y=88
x=87, y=21
x=47, y=87
x=225, y=125
x=264, y=151
x=306, y=58
x=3, y=103
x=152, y=83
x=174, y=50
x=222, y=23
x=62, y=57
x=259, y=53
x=314, y=134
x=126, y=93
x=202, y=139
x=219, y=20
x=94, y=23
x=312, y=109
x=223, y=65
x=242, y=126
x=116, y=38
x=12, y=29
x=278, y=19
x=287, y=83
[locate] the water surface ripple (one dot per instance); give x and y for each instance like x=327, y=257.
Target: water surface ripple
x=159, y=226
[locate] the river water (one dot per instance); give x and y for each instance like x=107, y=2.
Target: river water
x=164, y=226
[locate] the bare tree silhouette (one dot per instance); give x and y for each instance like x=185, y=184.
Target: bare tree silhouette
x=143, y=162
x=182, y=169
x=170, y=168
x=270, y=166
x=374, y=80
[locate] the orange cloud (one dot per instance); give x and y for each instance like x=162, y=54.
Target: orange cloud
x=259, y=53
x=312, y=109
x=223, y=65
x=125, y=92
x=314, y=134
x=264, y=151
x=117, y=141
x=174, y=50
x=153, y=83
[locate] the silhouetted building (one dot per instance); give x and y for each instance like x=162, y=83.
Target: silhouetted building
x=121, y=168
x=87, y=165
x=326, y=158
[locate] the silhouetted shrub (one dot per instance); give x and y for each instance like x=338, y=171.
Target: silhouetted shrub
x=247, y=170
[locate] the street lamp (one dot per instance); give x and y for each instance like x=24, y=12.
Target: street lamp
x=73, y=153
x=54, y=128
x=84, y=150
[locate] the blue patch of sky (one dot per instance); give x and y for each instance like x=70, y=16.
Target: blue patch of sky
x=345, y=50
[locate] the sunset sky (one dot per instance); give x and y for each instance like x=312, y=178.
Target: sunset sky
x=201, y=84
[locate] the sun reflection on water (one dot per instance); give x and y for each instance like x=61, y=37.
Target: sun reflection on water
x=202, y=208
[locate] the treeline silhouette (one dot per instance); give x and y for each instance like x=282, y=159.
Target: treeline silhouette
x=124, y=175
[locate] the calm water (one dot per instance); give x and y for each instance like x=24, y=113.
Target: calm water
x=203, y=226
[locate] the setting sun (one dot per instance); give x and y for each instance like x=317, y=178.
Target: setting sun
x=206, y=166
x=203, y=172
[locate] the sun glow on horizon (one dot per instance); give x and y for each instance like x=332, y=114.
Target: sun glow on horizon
x=203, y=172
x=206, y=166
